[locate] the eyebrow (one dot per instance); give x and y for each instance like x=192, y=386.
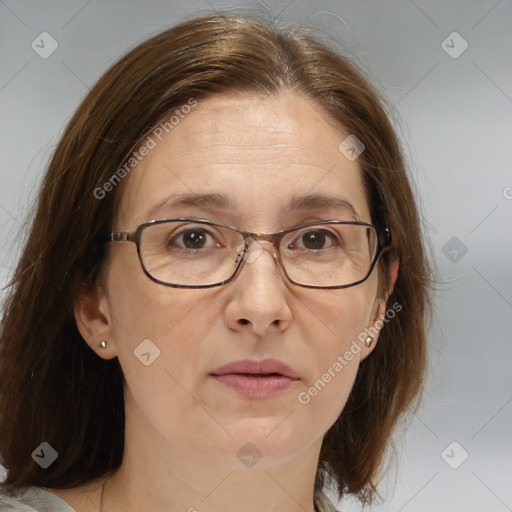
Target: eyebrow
x=221, y=201
x=317, y=201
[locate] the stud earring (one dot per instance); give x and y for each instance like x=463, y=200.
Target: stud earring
x=102, y=345
x=368, y=341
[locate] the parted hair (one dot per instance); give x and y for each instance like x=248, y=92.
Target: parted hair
x=55, y=389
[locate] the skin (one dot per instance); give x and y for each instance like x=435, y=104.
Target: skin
x=183, y=428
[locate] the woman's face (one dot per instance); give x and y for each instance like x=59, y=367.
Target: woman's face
x=261, y=155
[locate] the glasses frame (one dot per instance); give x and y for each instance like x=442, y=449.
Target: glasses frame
x=383, y=242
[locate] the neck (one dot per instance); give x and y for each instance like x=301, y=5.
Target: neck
x=157, y=475
x=261, y=490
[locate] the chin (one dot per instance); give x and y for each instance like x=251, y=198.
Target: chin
x=266, y=443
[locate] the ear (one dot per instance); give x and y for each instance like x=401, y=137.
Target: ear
x=92, y=315
x=378, y=313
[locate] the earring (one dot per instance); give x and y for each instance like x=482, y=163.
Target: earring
x=368, y=341
x=102, y=345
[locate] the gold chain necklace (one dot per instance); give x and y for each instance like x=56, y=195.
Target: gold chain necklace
x=105, y=482
x=102, y=492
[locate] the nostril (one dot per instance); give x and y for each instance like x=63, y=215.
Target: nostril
x=244, y=321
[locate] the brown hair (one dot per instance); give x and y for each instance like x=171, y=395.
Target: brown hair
x=54, y=388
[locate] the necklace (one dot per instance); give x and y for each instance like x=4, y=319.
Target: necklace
x=105, y=482
x=102, y=492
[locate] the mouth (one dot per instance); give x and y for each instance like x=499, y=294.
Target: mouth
x=265, y=367
x=255, y=385
x=256, y=379
x=248, y=374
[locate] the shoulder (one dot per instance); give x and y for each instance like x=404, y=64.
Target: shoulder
x=36, y=499
x=31, y=499
x=323, y=503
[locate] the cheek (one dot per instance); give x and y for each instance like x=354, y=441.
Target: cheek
x=332, y=328
x=159, y=344
x=331, y=320
x=154, y=325
x=326, y=395
x=326, y=391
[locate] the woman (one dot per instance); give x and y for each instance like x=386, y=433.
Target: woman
x=222, y=300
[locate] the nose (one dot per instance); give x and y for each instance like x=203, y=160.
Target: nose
x=258, y=304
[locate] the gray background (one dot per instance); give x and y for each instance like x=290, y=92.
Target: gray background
x=456, y=119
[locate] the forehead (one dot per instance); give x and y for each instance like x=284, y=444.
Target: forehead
x=261, y=153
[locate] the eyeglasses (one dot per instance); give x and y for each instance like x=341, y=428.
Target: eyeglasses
x=190, y=253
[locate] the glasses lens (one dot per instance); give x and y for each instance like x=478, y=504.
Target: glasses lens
x=189, y=253
x=329, y=254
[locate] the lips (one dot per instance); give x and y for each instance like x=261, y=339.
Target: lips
x=265, y=367
x=256, y=379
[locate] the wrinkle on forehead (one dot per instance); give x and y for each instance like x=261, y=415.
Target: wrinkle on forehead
x=255, y=149
x=286, y=116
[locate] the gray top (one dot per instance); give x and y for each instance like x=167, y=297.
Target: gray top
x=32, y=499
x=36, y=499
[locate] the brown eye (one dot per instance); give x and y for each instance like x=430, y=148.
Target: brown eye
x=193, y=239
x=314, y=240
